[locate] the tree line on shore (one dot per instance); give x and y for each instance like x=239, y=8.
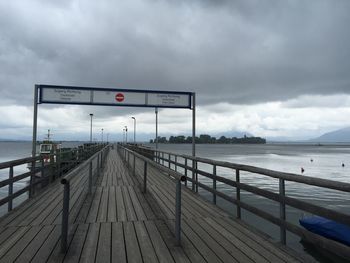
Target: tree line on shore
x=205, y=138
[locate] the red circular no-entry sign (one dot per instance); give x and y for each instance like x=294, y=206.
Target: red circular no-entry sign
x=119, y=97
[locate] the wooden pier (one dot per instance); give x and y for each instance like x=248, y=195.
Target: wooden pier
x=118, y=222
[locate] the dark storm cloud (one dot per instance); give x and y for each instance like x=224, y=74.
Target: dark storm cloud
x=227, y=51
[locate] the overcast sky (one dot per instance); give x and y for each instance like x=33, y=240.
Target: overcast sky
x=271, y=68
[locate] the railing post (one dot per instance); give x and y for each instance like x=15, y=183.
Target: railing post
x=58, y=156
x=169, y=158
x=134, y=165
x=214, y=183
x=193, y=176
x=196, y=174
x=238, y=195
x=178, y=213
x=175, y=163
x=32, y=178
x=65, y=217
x=162, y=158
x=9, y=204
x=186, y=171
x=52, y=170
x=90, y=177
x=282, y=193
x=144, y=177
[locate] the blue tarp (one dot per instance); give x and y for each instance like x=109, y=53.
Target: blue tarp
x=327, y=228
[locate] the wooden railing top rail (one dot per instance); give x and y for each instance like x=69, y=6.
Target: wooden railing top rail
x=170, y=172
x=16, y=162
x=330, y=184
x=72, y=173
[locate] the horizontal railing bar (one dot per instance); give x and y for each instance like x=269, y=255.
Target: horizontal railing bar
x=14, y=195
x=17, y=162
x=168, y=171
x=330, y=184
x=72, y=173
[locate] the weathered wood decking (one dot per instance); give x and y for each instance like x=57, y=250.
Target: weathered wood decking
x=118, y=223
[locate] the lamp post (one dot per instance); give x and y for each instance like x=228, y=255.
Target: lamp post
x=126, y=134
x=107, y=137
x=134, y=129
x=91, y=127
x=123, y=135
x=102, y=135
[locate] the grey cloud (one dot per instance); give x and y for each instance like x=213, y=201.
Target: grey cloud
x=239, y=52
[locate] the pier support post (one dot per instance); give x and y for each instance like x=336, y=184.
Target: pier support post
x=178, y=213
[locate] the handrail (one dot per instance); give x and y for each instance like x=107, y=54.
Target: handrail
x=49, y=171
x=340, y=186
x=171, y=174
x=279, y=197
x=66, y=180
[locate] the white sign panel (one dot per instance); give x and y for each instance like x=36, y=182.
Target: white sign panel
x=119, y=97
x=168, y=99
x=65, y=95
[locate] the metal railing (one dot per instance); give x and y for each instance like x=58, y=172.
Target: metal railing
x=99, y=159
x=190, y=164
x=125, y=153
x=41, y=171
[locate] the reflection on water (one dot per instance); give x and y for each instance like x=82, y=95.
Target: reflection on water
x=318, y=161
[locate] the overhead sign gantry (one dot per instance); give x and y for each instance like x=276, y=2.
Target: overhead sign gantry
x=112, y=97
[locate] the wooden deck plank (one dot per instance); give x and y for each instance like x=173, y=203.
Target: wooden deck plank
x=88, y=253
x=93, y=212
x=112, y=205
x=118, y=244
x=12, y=240
x=131, y=244
x=103, y=253
x=130, y=212
x=136, y=204
x=32, y=248
x=147, y=250
x=225, y=243
x=75, y=248
x=48, y=246
x=160, y=247
x=20, y=245
x=121, y=212
x=103, y=208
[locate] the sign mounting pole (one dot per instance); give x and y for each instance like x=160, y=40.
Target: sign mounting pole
x=194, y=124
x=35, y=120
x=156, y=112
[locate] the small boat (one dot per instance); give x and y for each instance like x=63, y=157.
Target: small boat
x=327, y=228
x=47, y=148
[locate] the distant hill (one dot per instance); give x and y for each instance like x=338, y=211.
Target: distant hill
x=342, y=135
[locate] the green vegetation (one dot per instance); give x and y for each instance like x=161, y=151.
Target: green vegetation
x=205, y=138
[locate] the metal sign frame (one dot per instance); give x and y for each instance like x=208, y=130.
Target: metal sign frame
x=39, y=99
x=134, y=91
